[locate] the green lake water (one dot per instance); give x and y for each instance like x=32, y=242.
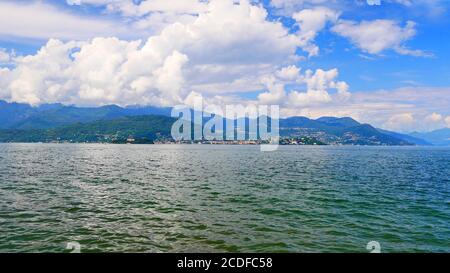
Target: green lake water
x=212, y=198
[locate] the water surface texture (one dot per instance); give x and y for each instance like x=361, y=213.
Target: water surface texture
x=202, y=198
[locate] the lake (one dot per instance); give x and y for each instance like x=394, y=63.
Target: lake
x=213, y=198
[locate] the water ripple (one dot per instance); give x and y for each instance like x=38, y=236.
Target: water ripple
x=199, y=198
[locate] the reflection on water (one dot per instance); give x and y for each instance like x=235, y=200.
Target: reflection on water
x=182, y=198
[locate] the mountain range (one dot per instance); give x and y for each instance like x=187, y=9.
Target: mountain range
x=345, y=131
x=57, y=122
x=439, y=137
x=24, y=116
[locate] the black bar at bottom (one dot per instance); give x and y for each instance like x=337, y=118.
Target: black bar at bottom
x=220, y=262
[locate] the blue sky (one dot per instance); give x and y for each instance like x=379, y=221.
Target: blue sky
x=385, y=71
x=390, y=70
x=385, y=64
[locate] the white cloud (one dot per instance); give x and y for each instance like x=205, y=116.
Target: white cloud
x=403, y=121
x=4, y=80
x=378, y=107
x=288, y=7
x=434, y=117
x=318, y=85
x=379, y=35
x=140, y=8
x=150, y=16
x=230, y=43
x=157, y=21
x=275, y=91
x=5, y=56
x=290, y=73
x=309, y=98
x=176, y=6
x=37, y=20
x=99, y=72
x=312, y=21
x=447, y=121
x=92, y=2
x=429, y=8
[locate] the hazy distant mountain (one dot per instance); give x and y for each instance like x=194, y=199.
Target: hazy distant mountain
x=12, y=113
x=411, y=139
x=439, y=137
x=55, y=121
x=24, y=116
x=339, y=131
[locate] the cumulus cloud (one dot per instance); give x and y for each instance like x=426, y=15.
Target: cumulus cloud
x=311, y=21
x=105, y=70
x=290, y=73
x=318, y=85
x=227, y=44
x=379, y=35
x=275, y=94
x=447, y=121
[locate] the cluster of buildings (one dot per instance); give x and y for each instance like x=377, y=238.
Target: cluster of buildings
x=300, y=141
x=213, y=142
x=282, y=141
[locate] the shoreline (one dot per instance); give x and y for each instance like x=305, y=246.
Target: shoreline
x=230, y=144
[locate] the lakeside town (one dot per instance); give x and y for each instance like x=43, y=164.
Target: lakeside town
x=133, y=140
x=282, y=141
